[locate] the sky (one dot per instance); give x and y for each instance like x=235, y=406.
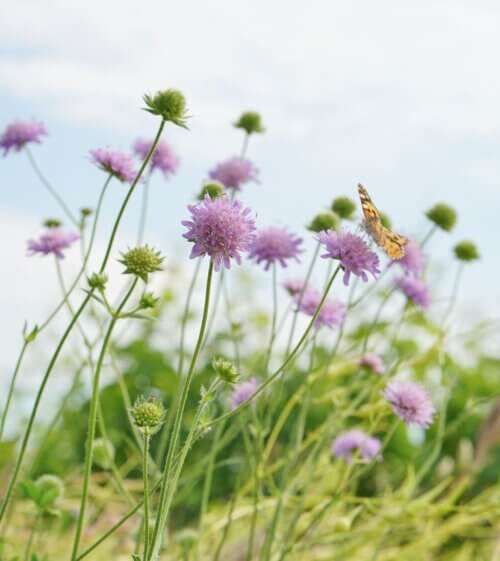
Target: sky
x=400, y=96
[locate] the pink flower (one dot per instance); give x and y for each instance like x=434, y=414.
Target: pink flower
x=20, y=133
x=117, y=163
x=234, y=173
x=53, y=240
x=410, y=402
x=332, y=313
x=163, y=159
x=415, y=290
x=275, y=245
x=243, y=392
x=373, y=362
x=351, y=441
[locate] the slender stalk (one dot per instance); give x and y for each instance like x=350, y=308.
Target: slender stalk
x=274, y=318
x=429, y=235
x=244, y=147
x=12, y=386
x=234, y=336
x=46, y=183
x=92, y=422
x=454, y=294
x=31, y=538
x=227, y=527
x=145, y=476
x=144, y=209
x=163, y=507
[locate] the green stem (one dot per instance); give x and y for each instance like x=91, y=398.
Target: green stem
x=274, y=318
x=144, y=210
x=92, y=423
x=234, y=336
x=162, y=516
x=31, y=538
x=145, y=476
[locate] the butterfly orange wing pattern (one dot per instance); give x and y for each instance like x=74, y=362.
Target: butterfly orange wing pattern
x=393, y=244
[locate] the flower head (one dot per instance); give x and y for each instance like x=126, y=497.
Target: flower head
x=141, y=261
x=344, y=207
x=148, y=414
x=53, y=240
x=275, y=245
x=410, y=402
x=234, y=173
x=163, y=158
x=353, y=253
x=243, y=392
x=372, y=362
x=294, y=286
x=51, y=488
x=220, y=228
x=225, y=370
x=351, y=441
x=415, y=290
x=250, y=122
x=413, y=261
x=324, y=221
x=169, y=104
x=117, y=163
x=442, y=216
x=20, y=133
x=332, y=313
x=466, y=251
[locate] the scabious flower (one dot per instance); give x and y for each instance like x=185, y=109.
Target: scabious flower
x=148, y=414
x=163, y=158
x=413, y=261
x=410, y=402
x=415, y=290
x=220, y=228
x=353, y=253
x=243, y=392
x=466, y=251
x=294, y=286
x=141, y=261
x=351, y=441
x=234, y=173
x=372, y=362
x=117, y=163
x=275, y=245
x=20, y=133
x=332, y=313
x=53, y=240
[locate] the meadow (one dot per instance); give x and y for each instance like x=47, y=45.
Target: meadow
x=341, y=414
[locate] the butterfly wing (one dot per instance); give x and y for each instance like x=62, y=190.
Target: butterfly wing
x=393, y=244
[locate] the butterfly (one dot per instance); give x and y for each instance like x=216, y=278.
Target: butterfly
x=393, y=244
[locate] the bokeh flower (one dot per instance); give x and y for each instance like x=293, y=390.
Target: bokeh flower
x=413, y=261
x=372, y=362
x=415, y=290
x=220, y=228
x=410, y=402
x=243, y=392
x=443, y=216
x=354, y=440
x=466, y=251
x=353, y=253
x=323, y=221
x=250, y=122
x=332, y=313
x=275, y=245
x=53, y=240
x=117, y=163
x=20, y=133
x=344, y=207
x=294, y=286
x=234, y=173
x=163, y=159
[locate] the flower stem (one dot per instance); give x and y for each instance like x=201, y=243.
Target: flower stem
x=274, y=318
x=145, y=476
x=144, y=210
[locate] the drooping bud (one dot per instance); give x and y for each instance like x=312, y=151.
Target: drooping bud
x=225, y=370
x=442, y=216
x=52, y=223
x=213, y=189
x=250, y=122
x=169, y=104
x=324, y=221
x=466, y=251
x=141, y=261
x=344, y=207
x=86, y=211
x=148, y=414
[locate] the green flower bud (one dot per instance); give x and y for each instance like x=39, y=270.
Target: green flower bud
x=52, y=223
x=30, y=336
x=148, y=300
x=324, y=221
x=443, y=216
x=86, y=211
x=51, y=489
x=148, y=414
x=104, y=453
x=386, y=221
x=213, y=189
x=225, y=370
x=141, y=261
x=98, y=281
x=344, y=207
x=466, y=251
x=169, y=104
x=250, y=122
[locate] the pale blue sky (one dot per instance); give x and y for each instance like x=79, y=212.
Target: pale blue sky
x=401, y=96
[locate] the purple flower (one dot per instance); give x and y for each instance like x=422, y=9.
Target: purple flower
x=235, y=172
x=373, y=362
x=351, y=441
x=353, y=253
x=332, y=313
x=54, y=241
x=415, y=290
x=413, y=261
x=20, y=133
x=164, y=157
x=410, y=402
x=275, y=245
x=117, y=163
x=243, y=392
x=294, y=286
x=220, y=228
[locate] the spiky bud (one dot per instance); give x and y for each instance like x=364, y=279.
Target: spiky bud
x=141, y=261
x=250, y=122
x=213, y=189
x=344, y=207
x=51, y=487
x=225, y=370
x=442, y=216
x=103, y=453
x=466, y=251
x=148, y=300
x=169, y=104
x=52, y=223
x=98, y=281
x=148, y=414
x=327, y=220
